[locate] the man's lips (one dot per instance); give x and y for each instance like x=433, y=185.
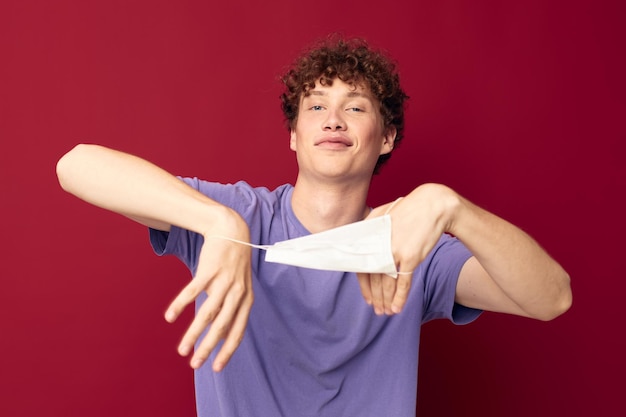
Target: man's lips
x=333, y=141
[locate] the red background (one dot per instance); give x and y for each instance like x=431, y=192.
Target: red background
x=520, y=106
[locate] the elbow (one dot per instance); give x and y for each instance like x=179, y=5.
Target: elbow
x=62, y=170
x=557, y=309
x=560, y=303
x=66, y=166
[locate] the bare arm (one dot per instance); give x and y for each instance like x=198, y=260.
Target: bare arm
x=140, y=190
x=133, y=187
x=509, y=272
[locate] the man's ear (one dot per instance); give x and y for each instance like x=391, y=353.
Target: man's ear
x=389, y=139
x=292, y=140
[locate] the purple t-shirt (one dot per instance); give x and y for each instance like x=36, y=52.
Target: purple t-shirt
x=313, y=347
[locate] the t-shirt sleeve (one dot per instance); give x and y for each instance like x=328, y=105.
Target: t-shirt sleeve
x=442, y=269
x=185, y=244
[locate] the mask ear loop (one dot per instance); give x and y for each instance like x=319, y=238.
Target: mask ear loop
x=252, y=245
x=393, y=204
x=265, y=247
x=386, y=213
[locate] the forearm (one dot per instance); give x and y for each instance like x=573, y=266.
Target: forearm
x=513, y=260
x=136, y=188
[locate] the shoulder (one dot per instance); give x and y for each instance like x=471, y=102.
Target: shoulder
x=258, y=206
x=238, y=194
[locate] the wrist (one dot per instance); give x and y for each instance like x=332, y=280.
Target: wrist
x=462, y=214
x=224, y=221
x=446, y=203
x=452, y=208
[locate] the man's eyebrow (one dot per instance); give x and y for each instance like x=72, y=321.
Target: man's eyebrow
x=357, y=94
x=349, y=94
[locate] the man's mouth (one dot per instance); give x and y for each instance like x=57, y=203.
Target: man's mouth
x=333, y=142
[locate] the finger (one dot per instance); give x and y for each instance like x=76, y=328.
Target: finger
x=182, y=300
x=389, y=289
x=234, y=337
x=207, y=312
x=403, y=285
x=218, y=330
x=364, y=284
x=377, y=293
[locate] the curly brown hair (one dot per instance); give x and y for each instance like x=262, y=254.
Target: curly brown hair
x=353, y=62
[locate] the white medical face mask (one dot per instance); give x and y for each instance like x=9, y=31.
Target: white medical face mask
x=363, y=246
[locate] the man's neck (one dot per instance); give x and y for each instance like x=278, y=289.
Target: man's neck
x=324, y=206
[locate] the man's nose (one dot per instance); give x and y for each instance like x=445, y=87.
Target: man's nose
x=334, y=121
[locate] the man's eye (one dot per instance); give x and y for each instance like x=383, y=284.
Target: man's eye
x=316, y=108
x=355, y=109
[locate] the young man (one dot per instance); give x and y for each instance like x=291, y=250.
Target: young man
x=318, y=342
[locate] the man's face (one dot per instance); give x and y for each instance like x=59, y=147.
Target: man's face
x=340, y=131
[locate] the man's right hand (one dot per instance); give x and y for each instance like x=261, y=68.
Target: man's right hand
x=224, y=274
x=138, y=189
